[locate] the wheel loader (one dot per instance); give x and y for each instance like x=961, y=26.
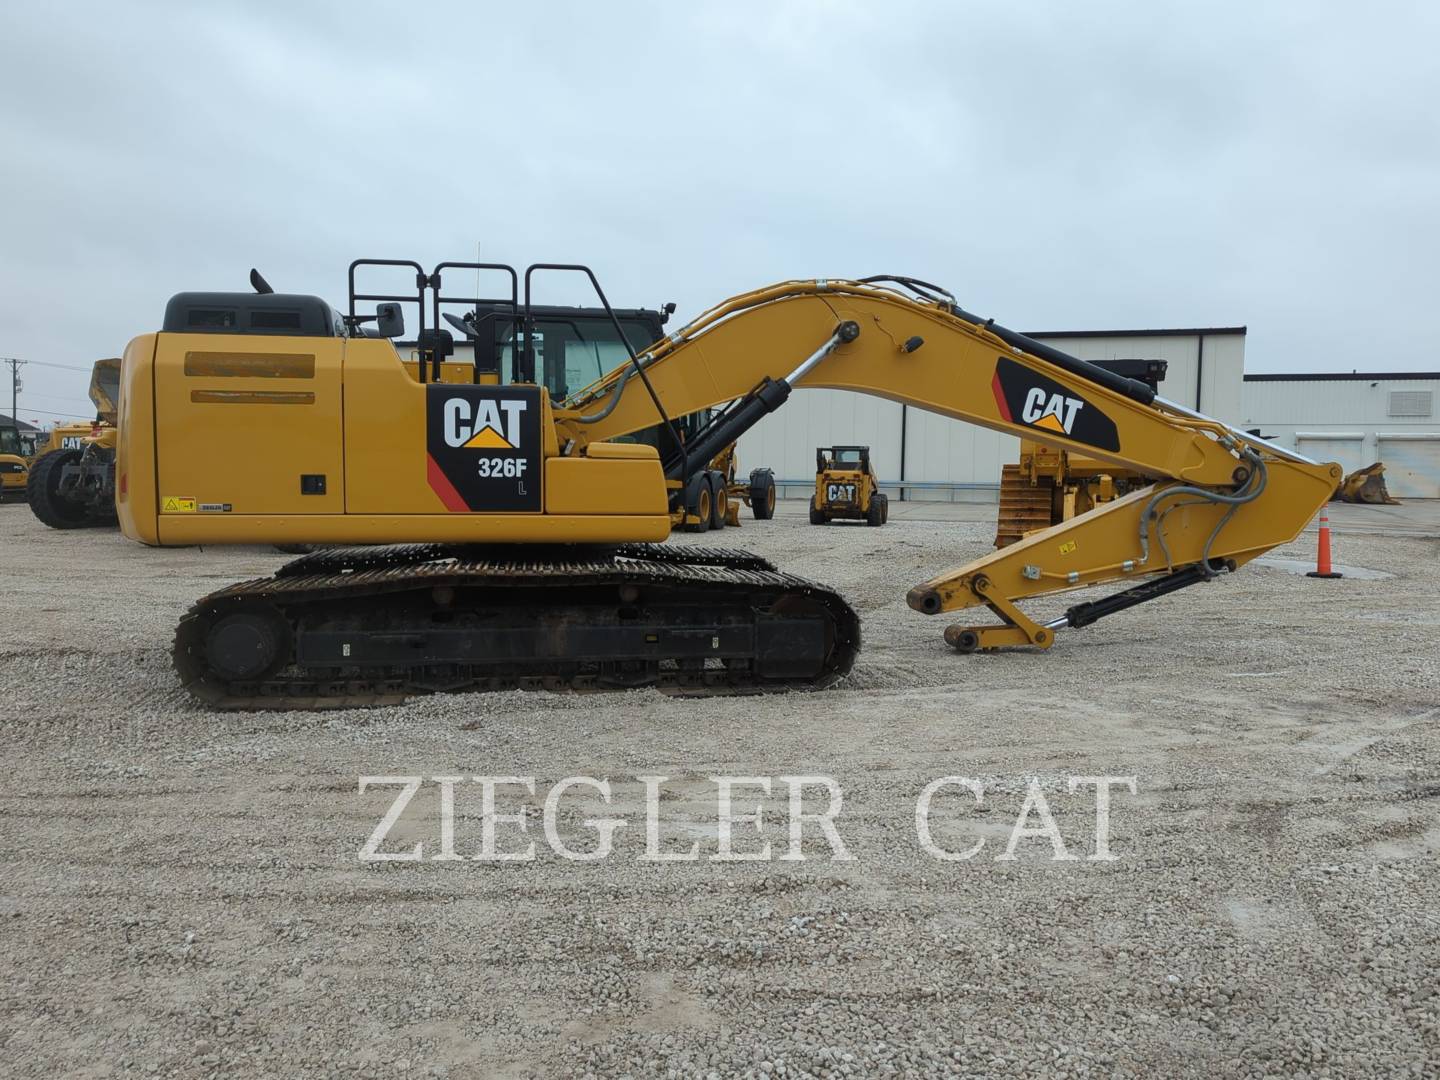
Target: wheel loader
x=846, y=488
x=508, y=540
x=71, y=485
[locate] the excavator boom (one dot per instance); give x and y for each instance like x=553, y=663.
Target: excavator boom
x=1226, y=497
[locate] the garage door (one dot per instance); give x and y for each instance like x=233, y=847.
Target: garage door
x=1412, y=465
x=1343, y=446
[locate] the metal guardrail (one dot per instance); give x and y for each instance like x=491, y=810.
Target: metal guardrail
x=897, y=486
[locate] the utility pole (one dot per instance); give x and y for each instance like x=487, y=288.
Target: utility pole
x=15, y=366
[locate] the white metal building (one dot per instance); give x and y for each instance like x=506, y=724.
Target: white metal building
x=934, y=457
x=1355, y=419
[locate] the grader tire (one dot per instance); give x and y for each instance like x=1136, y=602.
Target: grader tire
x=719, y=500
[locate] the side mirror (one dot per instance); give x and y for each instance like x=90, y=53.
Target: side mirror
x=389, y=321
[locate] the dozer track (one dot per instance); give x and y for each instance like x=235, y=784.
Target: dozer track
x=368, y=626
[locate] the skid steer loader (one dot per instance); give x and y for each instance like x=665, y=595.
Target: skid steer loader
x=846, y=488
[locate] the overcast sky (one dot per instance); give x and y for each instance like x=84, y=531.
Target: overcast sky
x=1057, y=165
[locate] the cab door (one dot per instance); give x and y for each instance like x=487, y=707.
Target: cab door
x=252, y=424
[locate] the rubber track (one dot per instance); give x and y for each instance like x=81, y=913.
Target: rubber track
x=351, y=575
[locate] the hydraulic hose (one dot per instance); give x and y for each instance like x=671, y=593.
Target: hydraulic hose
x=1254, y=487
x=614, y=397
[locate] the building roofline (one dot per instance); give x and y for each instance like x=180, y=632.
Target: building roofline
x=1195, y=331
x=1340, y=376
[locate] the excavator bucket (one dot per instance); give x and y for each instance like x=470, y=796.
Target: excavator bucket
x=1024, y=507
x=1367, y=485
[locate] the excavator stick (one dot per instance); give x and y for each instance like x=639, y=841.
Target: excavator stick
x=1182, y=533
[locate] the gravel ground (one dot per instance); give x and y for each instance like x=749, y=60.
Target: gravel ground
x=181, y=892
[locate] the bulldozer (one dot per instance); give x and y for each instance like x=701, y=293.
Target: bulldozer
x=846, y=488
x=506, y=539
x=1050, y=484
x=1366, y=485
x=71, y=485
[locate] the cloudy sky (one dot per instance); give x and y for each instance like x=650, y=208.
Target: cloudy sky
x=1058, y=165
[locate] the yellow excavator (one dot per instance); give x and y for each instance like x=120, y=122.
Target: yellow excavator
x=510, y=541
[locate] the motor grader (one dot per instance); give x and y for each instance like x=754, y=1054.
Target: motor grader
x=508, y=540
x=71, y=485
x=757, y=491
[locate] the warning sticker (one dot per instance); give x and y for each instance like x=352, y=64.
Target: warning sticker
x=1068, y=547
x=174, y=504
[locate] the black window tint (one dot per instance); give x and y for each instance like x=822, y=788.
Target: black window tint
x=275, y=320
x=211, y=317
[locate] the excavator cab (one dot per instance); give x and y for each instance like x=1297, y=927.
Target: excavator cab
x=846, y=488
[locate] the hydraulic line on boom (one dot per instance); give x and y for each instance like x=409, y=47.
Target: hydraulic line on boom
x=1225, y=497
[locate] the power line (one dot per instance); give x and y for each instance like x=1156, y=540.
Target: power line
x=53, y=397
x=47, y=363
x=56, y=412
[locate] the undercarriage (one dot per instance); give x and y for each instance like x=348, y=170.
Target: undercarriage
x=363, y=626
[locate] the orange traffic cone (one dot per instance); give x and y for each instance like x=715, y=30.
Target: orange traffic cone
x=1322, y=556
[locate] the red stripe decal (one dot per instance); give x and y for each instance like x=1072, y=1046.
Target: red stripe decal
x=440, y=484
x=1000, y=398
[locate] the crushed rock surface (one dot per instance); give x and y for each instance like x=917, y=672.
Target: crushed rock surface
x=181, y=893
